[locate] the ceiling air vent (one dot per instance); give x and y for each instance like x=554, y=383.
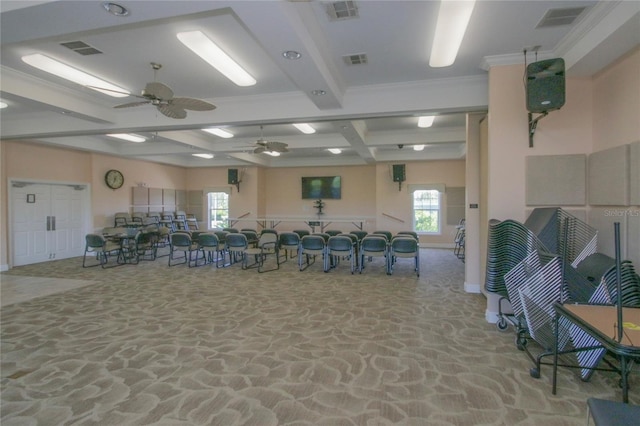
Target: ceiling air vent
x=557, y=17
x=360, y=58
x=81, y=48
x=340, y=10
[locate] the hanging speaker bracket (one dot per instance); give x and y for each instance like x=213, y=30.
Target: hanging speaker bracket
x=533, y=124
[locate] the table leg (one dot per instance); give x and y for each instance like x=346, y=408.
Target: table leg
x=555, y=353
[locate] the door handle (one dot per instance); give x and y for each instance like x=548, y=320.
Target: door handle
x=53, y=223
x=48, y=223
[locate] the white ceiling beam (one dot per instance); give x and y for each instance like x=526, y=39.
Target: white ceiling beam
x=298, y=30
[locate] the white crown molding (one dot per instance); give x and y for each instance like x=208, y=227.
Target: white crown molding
x=599, y=23
x=511, y=59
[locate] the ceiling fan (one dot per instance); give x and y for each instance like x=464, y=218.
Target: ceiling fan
x=161, y=96
x=264, y=145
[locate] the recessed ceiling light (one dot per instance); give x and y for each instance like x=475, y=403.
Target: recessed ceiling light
x=318, y=92
x=67, y=72
x=335, y=150
x=130, y=137
x=426, y=121
x=219, y=132
x=202, y=46
x=418, y=147
x=3, y=104
x=304, y=128
x=206, y=156
x=115, y=9
x=453, y=18
x=292, y=54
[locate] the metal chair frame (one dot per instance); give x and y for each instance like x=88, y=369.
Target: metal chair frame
x=102, y=248
x=267, y=245
x=373, y=245
x=310, y=247
x=339, y=246
x=181, y=241
x=404, y=247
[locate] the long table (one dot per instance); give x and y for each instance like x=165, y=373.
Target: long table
x=600, y=322
x=321, y=222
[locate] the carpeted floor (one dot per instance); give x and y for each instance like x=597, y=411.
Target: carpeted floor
x=149, y=344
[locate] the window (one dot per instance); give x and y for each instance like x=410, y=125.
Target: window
x=426, y=211
x=218, y=208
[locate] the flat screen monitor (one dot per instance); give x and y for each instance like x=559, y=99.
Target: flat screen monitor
x=321, y=187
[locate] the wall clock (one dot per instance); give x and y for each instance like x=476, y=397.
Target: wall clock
x=114, y=179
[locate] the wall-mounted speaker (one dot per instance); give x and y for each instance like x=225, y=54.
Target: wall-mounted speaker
x=232, y=176
x=398, y=173
x=545, y=85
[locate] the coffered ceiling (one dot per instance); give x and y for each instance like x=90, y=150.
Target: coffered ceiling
x=369, y=109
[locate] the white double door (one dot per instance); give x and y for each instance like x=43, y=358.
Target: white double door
x=48, y=221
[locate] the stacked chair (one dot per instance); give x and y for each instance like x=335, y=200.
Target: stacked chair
x=459, y=240
x=551, y=258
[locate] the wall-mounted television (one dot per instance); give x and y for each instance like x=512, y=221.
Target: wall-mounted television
x=321, y=187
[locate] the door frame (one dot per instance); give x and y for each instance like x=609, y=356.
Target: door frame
x=15, y=182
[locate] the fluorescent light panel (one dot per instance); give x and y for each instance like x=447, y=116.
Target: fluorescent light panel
x=335, y=150
x=304, y=128
x=219, y=132
x=67, y=72
x=202, y=46
x=426, y=121
x=453, y=18
x=130, y=137
x=206, y=156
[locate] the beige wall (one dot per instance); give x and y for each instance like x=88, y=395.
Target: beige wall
x=616, y=121
x=599, y=113
x=616, y=106
x=35, y=162
x=106, y=202
x=368, y=192
x=245, y=203
x=566, y=131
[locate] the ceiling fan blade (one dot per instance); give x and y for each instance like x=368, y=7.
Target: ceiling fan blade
x=172, y=111
x=259, y=150
x=277, y=146
x=157, y=90
x=132, y=104
x=192, y=104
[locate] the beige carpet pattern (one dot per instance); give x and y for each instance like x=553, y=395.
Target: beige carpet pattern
x=153, y=345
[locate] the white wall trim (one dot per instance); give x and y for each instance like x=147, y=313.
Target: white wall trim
x=472, y=288
x=491, y=317
x=438, y=245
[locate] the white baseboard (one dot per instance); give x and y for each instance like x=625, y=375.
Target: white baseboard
x=471, y=288
x=491, y=317
x=438, y=245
